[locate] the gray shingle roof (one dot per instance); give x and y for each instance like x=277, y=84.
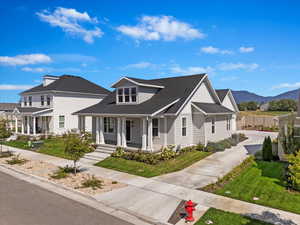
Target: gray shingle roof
x=222, y=93
x=175, y=88
x=211, y=108
x=70, y=83
x=30, y=109
x=8, y=107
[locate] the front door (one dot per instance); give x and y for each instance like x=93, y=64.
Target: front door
x=128, y=130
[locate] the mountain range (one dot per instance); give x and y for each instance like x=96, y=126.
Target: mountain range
x=246, y=96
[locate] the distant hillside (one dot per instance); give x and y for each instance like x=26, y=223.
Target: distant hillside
x=246, y=96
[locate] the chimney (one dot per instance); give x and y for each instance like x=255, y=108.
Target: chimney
x=48, y=79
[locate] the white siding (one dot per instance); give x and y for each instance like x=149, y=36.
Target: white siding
x=220, y=129
x=36, y=100
x=145, y=93
x=228, y=103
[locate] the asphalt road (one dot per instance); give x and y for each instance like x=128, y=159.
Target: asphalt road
x=22, y=203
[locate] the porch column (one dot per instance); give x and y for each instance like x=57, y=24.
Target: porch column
x=22, y=124
x=16, y=124
x=166, y=131
x=124, y=142
x=144, y=134
x=28, y=125
x=97, y=130
x=83, y=123
x=150, y=139
x=101, y=135
x=34, y=125
x=119, y=130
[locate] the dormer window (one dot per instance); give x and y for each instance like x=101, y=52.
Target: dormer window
x=127, y=95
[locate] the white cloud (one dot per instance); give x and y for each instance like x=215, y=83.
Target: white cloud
x=287, y=85
x=21, y=60
x=213, y=50
x=35, y=70
x=246, y=49
x=141, y=65
x=165, y=28
x=8, y=87
x=68, y=20
x=191, y=70
x=237, y=66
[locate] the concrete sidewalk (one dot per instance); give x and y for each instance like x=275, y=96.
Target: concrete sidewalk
x=157, y=200
x=217, y=165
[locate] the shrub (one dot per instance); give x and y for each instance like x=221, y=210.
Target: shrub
x=167, y=153
x=119, y=152
x=16, y=160
x=186, y=149
x=92, y=182
x=294, y=170
x=63, y=172
x=267, y=154
x=200, y=147
x=214, y=147
x=23, y=138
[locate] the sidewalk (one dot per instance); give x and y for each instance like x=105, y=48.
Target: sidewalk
x=217, y=165
x=158, y=200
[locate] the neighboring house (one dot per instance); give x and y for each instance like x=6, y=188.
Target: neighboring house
x=264, y=106
x=6, y=112
x=48, y=107
x=149, y=114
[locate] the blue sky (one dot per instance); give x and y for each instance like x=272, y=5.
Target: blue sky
x=242, y=45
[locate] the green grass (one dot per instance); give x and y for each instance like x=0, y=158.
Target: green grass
x=219, y=217
x=264, y=180
x=17, y=144
x=54, y=147
x=264, y=113
x=146, y=170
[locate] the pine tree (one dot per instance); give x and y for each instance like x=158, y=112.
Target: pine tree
x=267, y=149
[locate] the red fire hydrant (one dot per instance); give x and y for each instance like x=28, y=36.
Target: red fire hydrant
x=189, y=208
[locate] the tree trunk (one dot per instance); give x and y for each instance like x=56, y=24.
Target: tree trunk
x=75, y=167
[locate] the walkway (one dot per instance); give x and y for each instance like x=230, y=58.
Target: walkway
x=157, y=200
x=210, y=169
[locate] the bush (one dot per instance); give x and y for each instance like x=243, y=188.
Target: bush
x=267, y=154
x=294, y=170
x=119, y=152
x=93, y=183
x=200, y=147
x=63, y=172
x=23, y=138
x=4, y=131
x=167, y=153
x=16, y=160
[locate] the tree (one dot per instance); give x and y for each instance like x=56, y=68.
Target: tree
x=294, y=170
x=252, y=106
x=76, y=146
x=4, y=132
x=267, y=149
x=283, y=105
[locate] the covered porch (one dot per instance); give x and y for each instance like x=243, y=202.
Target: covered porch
x=33, y=121
x=129, y=132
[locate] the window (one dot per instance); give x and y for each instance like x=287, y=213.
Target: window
x=30, y=100
x=155, y=127
x=228, y=123
x=120, y=94
x=61, y=121
x=213, y=125
x=133, y=94
x=25, y=101
x=48, y=100
x=183, y=126
x=42, y=100
x=126, y=94
x=109, y=125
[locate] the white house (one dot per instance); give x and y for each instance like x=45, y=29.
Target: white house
x=48, y=107
x=149, y=114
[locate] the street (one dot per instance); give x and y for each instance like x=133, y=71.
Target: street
x=22, y=203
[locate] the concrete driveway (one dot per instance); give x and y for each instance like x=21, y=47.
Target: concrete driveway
x=210, y=169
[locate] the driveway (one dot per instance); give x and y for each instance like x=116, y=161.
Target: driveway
x=210, y=169
x=27, y=204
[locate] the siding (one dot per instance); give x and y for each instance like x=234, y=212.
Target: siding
x=228, y=103
x=220, y=129
x=198, y=128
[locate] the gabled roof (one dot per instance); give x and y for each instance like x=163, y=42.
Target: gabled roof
x=140, y=82
x=211, y=108
x=222, y=93
x=8, y=107
x=31, y=110
x=170, y=98
x=70, y=83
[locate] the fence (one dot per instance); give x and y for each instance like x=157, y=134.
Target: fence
x=257, y=121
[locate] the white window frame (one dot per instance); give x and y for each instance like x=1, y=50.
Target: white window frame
x=228, y=123
x=123, y=95
x=158, y=126
x=183, y=127
x=110, y=123
x=30, y=100
x=61, y=122
x=213, y=125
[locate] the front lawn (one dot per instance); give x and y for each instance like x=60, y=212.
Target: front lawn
x=260, y=183
x=17, y=144
x=219, y=217
x=54, y=147
x=147, y=170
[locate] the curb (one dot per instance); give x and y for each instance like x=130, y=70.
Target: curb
x=82, y=198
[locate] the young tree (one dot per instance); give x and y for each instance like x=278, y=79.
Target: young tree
x=4, y=132
x=294, y=170
x=267, y=149
x=76, y=147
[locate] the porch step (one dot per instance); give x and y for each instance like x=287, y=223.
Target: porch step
x=96, y=156
x=105, y=149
